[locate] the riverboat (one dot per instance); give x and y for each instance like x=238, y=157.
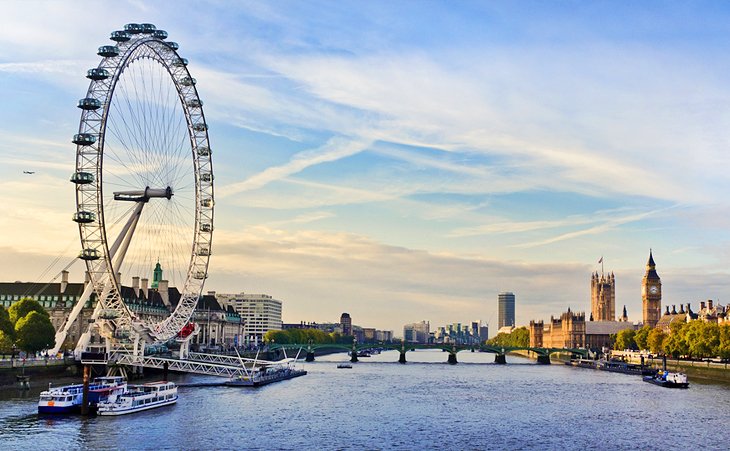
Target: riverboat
x=582, y=363
x=618, y=366
x=265, y=374
x=68, y=398
x=344, y=365
x=669, y=380
x=139, y=398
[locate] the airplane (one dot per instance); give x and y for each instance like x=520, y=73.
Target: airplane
x=28, y=172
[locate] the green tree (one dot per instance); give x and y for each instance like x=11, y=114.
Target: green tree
x=703, y=338
x=23, y=307
x=518, y=338
x=34, y=332
x=655, y=341
x=7, y=331
x=641, y=337
x=723, y=348
x=625, y=339
x=676, y=343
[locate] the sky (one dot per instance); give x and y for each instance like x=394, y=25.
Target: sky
x=407, y=161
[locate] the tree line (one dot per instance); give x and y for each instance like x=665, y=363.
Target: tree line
x=26, y=325
x=303, y=336
x=695, y=339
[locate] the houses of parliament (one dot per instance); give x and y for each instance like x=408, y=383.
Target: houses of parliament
x=571, y=330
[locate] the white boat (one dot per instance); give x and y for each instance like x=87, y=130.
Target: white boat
x=68, y=398
x=344, y=365
x=139, y=398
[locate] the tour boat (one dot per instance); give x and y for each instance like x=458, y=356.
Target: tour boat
x=618, y=366
x=139, y=398
x=68, y=398
x=266, y=374
x=344, y=365
x=669, y=380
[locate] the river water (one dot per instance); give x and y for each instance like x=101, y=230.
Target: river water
x=380, y=404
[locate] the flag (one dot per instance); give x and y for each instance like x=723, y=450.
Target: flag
x=601, y=260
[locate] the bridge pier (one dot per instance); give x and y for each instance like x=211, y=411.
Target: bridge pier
x=543, y=359
x=310, y=356
x=500, y=359
x=402, y=358
x=165, y=367
x=353, y=356
x=452, y=358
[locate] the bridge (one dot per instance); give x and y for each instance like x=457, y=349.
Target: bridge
x=542, y=354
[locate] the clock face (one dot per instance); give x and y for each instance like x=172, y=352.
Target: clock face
x=653, y=289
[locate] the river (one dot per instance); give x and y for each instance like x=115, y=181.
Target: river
x=380, y=404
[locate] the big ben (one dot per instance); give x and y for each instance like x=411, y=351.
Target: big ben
x=651, y=293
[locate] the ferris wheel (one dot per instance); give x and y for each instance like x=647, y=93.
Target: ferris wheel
x=143, y=180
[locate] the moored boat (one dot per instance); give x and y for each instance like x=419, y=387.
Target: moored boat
x=68, y=398
x=618, y=366
x=344, y=365
x=265, y=374
x=139, y=398
x=668, y=379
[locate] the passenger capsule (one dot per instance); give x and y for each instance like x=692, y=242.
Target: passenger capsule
x=89, y=254
x=147, y=28
x=180, y=62
x=200, y=127
x=108, y=51
x=120, y=36
x=207, y=203
x=200, y=275
x=188, y=81
x=173, y=45
x=203, y=251
x=159, y=34
x=205, y=227
x=84, y=139
x=89, y=104
x=204, y=151
x=97, y=74
x=133, y=28
x=82, y=178
x=206, y=177
x=194, y=103
x=84, y=217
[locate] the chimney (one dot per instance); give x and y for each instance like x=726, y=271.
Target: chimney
x=702, y=306
x=164, y=292
x=709, y=304
x=211, y=293
x=681, y=309
x=689, y=309
x=135, y=285
x=667, y=312
x=119, y=279
x=144, y=287
x=674, y=309
x=64, y=281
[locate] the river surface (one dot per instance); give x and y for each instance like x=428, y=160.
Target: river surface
x=380, y=404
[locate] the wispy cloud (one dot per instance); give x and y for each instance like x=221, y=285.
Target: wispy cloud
x=334, y=149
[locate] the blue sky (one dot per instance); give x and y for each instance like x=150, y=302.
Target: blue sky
x=409, y=160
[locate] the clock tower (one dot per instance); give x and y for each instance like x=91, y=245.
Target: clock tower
x=651, y=293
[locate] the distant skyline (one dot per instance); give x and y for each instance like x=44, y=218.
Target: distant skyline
x=404, y=161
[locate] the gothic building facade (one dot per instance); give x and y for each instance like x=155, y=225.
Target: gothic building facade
x=603, y=297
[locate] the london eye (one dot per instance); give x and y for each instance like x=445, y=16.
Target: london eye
x=143, y=181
